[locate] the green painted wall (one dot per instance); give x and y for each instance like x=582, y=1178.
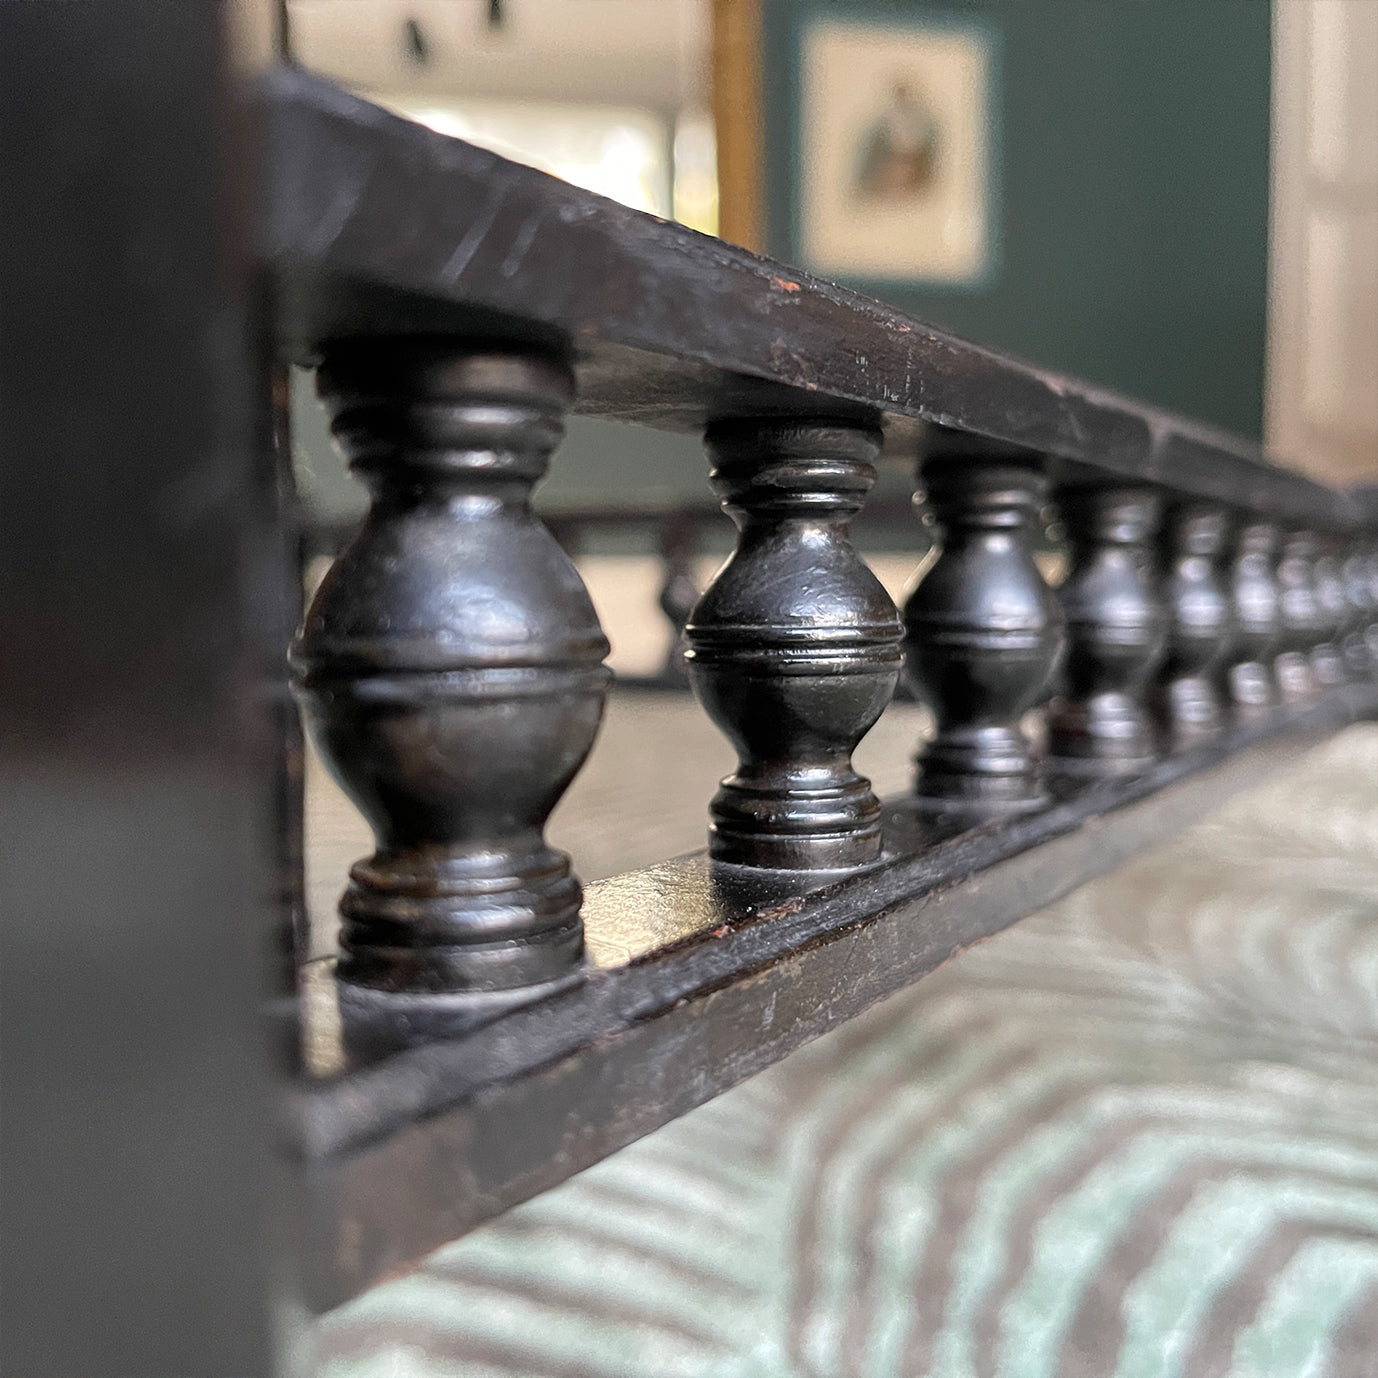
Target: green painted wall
x=1132, y=192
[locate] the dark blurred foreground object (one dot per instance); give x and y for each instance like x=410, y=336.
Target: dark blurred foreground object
x=485, y=1035
x=144, y=596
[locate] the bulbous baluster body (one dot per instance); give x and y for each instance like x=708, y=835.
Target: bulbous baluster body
x=1302, y=625
x=794, y=647
x=1257, y=601
x=450, y=668
x=983, y=630
x=1201, y=622
x=1116, y=630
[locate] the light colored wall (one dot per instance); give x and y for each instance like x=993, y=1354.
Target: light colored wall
x=652, y=53
x=1322, y=388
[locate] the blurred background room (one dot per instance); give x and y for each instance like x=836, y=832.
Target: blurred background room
x=1173, y=200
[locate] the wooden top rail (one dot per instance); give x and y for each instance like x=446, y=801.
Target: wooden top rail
x=376, y=225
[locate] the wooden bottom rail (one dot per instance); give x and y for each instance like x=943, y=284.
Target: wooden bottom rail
x=698, y=976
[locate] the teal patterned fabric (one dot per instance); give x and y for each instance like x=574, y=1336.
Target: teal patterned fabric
x=1137, y=1136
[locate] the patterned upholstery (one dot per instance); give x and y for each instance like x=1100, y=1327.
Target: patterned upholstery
x=1136, y=1135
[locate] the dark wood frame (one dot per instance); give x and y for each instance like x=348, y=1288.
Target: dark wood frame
x=459, y=1111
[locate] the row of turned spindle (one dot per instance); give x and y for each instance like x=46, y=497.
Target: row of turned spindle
x=451, y=665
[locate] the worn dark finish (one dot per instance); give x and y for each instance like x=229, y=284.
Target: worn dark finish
x=677, y=532
x=1302, y=623
x=671, y=328
x=141, y=681
x=983, y=631
x=1116, y=627
x=702, y=976
x=1256, y=603
x=813, y=900
x=451, y=667
x=1201, y=621
x=794, y=647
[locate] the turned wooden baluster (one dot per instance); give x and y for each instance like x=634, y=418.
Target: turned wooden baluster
x=451, y=667
x=1257, y=601
x=1116, y=628
x=794, y=647
x=1200, y=622
x=1302, y=626
x=1327, y=658
x=983, y=630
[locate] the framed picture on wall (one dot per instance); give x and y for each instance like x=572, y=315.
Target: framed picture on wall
x=897, y=149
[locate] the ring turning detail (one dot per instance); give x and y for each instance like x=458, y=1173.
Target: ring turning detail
x=794, y=648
